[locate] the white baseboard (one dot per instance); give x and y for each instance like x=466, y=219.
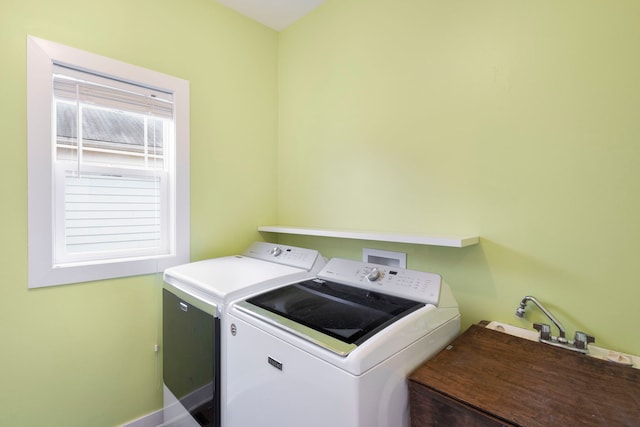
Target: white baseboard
x=153, y=419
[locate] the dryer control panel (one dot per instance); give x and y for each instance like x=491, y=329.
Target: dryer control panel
x=411, y=284
x=283, y=254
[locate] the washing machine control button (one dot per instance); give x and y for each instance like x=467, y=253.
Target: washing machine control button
x=275, y=251
x=373, y=275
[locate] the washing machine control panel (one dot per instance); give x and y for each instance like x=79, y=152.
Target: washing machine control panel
x=410, y=284
x=283, y=254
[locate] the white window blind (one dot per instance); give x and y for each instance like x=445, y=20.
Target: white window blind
x=110, y=92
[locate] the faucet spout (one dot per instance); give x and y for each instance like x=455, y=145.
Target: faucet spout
x=521, y=309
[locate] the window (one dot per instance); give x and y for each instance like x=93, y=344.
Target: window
x=108, y=154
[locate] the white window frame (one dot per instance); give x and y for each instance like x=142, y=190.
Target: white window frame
x=43, y=271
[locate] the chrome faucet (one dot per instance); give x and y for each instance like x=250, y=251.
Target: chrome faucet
x=580, y=342
x=523, y=305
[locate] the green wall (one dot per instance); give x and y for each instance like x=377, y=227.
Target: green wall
x=82, y=355
x=515, y=121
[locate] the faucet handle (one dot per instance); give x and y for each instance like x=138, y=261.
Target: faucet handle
x=582, y=340
x=544, y=329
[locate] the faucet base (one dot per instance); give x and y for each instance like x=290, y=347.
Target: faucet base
x=566, y=345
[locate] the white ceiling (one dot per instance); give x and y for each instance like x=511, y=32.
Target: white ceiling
x=276, y=14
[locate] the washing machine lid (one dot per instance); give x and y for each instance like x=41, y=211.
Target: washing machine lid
x=220, y=279
x=335, y=316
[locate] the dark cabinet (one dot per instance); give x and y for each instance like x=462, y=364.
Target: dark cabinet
x=489, y=378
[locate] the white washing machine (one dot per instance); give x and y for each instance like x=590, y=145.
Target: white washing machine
x=194, y=299
x=335, y=350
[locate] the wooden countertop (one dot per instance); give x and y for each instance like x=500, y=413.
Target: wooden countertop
x=532, y=384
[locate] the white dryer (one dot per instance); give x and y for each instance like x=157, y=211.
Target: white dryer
x=194, y=298
x=335, y=350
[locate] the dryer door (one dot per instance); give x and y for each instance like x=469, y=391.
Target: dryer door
x=191, y=359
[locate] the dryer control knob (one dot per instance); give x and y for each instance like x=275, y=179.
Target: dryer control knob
x=275, y=251
x=373, y=275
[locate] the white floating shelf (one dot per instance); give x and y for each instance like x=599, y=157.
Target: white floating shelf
x=416, y=239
